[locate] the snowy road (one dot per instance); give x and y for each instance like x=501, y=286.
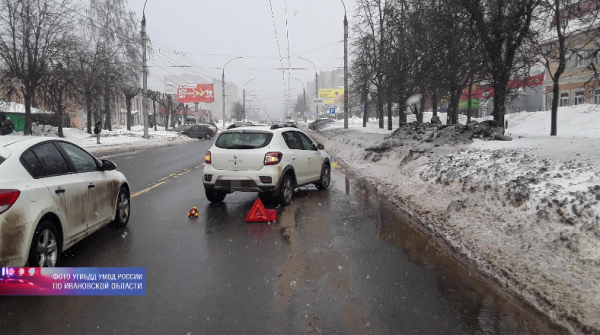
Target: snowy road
x=342, y=261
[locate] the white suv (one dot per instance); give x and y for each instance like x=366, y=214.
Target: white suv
x=272, y=161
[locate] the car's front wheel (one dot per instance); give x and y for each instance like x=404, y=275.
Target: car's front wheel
x=123, y=209
x=325, y=179
x=214, y=196
x=44, y=251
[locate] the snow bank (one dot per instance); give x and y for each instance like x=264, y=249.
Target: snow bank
x=118, y=139
x=581, y=121
x=529, y=219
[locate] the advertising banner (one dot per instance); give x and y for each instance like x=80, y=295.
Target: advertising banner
x=196, y=93
x=464, y=104
x=332, y=95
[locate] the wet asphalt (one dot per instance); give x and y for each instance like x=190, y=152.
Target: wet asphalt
x=341, y=261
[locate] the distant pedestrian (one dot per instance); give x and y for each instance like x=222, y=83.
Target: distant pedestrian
x=97, y=131
x=8, y=126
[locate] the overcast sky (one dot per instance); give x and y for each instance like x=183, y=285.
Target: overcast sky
x=206, y=34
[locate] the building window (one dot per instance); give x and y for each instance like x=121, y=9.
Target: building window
x=597, y=97
x=579, y=98
x=580, y=59
x=564, y=99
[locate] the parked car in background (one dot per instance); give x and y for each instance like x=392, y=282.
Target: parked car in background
x=273, y=161
x=199, y=131
x=319, y=123
x=52, y=195
x=212, y=126
x=181, y=128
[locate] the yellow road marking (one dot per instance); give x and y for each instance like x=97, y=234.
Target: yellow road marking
x=147, y=189
x=161, y=182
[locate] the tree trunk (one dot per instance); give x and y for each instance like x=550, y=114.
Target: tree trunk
x=554, y=113
x=434, y=101
x=154, y=114
x=421, y=107
x=60, y=115
x=500, y=88
x=453, y=107
x=402, y=116
x=27, y=97
x=470, y=98
x=366, y=114
x=389, y=113
x=88, y=107
x=380, y=109
x=128, y=105
x=107, y=122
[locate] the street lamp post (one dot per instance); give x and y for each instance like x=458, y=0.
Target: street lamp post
x=244, y=98
x=303, y=90
x=144, y=74
x=316, y=84
x=223, y=82
x=346, y=91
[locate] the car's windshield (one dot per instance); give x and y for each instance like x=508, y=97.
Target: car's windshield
x=243, y=140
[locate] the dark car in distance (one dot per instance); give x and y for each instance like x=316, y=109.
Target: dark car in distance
x=319, y=123
x=199, y=131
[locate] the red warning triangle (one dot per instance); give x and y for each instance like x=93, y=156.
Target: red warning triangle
x=260, y=213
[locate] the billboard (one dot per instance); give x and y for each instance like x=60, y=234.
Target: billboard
x=197, y=93
x=332, y=95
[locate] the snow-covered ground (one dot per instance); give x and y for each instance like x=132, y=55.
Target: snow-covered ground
x=118, y=139
x=526, y=212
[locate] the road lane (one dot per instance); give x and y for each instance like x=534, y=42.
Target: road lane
x=338, y=261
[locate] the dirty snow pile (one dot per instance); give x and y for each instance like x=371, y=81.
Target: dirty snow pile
x=118, y=139
x=528, y=217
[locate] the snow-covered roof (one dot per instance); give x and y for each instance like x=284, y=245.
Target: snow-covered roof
x=18, y=108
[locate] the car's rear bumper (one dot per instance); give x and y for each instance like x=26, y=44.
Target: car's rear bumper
x=241, y=181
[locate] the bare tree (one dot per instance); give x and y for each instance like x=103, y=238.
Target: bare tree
x=32, y=33
x=502, y=26
x=58, y=88
x=129, y=92
x=567, y=30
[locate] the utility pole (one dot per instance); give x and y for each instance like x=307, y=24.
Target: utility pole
x=197, y=111
x=346, y=91
x=244, y=104
x=316, y=84
x=223, y=82
x=145, y=75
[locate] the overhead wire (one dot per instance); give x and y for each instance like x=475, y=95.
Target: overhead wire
x=277, y=39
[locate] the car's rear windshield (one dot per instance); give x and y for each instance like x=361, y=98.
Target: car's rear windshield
x=243, y=140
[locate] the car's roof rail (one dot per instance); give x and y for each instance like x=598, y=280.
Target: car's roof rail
x=283, y=125
x=232, y=126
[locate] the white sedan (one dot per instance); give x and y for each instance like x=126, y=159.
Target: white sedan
x=52, y=195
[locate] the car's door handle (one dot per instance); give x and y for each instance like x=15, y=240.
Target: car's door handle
x=309, y=157
x=293, y=158
x=90, y=186
x=60, y=190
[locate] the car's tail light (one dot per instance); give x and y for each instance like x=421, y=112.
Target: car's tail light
x=208, y=177
x=7, y=199
x=207, y=157
x=273, y=158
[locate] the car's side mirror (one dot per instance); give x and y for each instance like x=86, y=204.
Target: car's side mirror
x=320, y=146
x=108, y=165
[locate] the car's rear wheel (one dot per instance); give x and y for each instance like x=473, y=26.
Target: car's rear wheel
x=285, y=194
x=325, y=179
x=207, y=136
x=214, y=196
x=123, y=209
x=44, y=251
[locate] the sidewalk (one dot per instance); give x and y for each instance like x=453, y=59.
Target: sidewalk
x=526, y=212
